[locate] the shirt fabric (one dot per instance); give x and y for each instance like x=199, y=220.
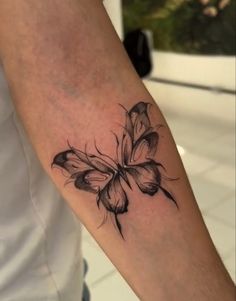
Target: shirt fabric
x=40, y=237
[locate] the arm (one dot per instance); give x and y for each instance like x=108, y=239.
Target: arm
x=95, y=126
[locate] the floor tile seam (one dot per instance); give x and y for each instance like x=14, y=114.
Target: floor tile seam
x=226, y=197
x=103, y=278
x=219, y=219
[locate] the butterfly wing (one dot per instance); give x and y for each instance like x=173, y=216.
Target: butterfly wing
x=88, y=173
x=114, y=199
x=145, y=147
x=139, y=140
x=137, y=125
x=139, y=120
x=124, y=144
x=93, y=174
x=113, y=196
x=148, y=178
x=142, y=166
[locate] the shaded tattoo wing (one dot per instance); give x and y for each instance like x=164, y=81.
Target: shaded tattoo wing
x=144, y=139
x=87, y=172
x=114, y=198
x=139, y=119
x=149, y=179
x=145, y=147
x=94, y=174
x=139, y=139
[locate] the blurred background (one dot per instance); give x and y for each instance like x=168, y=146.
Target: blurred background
x=191, y=27
x=185, y=52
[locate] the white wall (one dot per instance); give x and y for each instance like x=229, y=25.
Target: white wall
x=114, y=10
x=214, y=71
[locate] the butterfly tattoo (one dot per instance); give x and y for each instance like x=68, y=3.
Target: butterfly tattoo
x=106, y=177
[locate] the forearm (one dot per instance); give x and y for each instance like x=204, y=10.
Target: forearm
x=74, y=89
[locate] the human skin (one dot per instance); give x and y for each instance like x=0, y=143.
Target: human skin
x=68, y=73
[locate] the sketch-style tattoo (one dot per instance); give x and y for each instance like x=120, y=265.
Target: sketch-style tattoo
x=106, y=177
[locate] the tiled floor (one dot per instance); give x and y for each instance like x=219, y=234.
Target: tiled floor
x=209, y=159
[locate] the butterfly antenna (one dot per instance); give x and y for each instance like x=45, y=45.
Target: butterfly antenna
x=68, y=143
x=169, y=179
x=69, y=181
x=158, y=126
x=123, y=107
x=126, y=179
x=103, y=222
x=169, y=196
x=123, y=127
x=117, y=140
x=117, y=146
x=53, y=165
x=98, y=199
x=119, y=226
x=120, y=125
x=162, y=166
x=87, y=157
x=164, y=176
x=149, y=105
x=61, y=170
x=72, y=148
x=104, y=155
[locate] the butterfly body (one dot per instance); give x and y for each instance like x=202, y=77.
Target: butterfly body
x=135, y=158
